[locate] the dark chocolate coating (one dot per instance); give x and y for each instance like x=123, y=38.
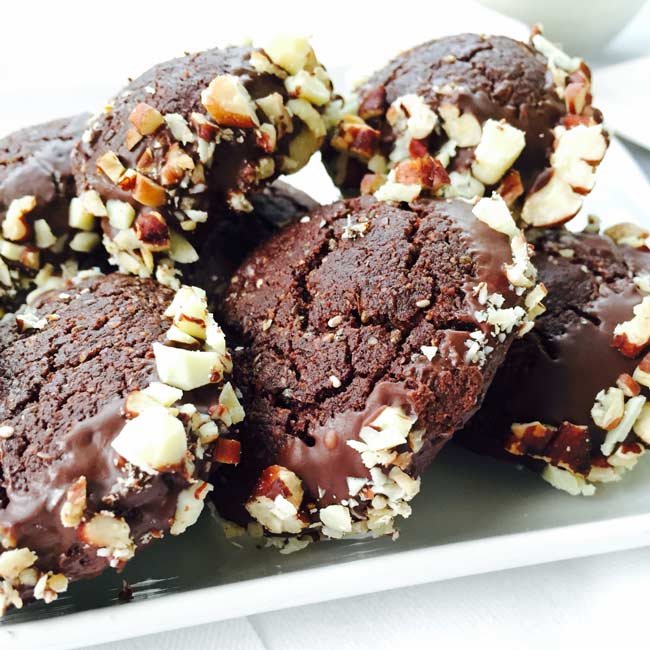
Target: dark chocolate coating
x=37, y=161
x=62, y=392
x=492, y=77
x=175, y=86
x=554, y=373
x=308, y=274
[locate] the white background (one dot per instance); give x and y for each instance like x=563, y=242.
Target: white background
x=58, y=58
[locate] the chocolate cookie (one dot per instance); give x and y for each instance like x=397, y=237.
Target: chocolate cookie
x=468, y=114
x=197, y=134
x=368, y=335
x=36, y=186
x=233, y=236
x=570, y=399
x=113, y=407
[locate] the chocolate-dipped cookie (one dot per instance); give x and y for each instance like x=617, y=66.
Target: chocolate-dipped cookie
x=114, y=405
x=367, y=334
x=570, y=399
x=194, y=136
x=37, y=226
x=469, y=114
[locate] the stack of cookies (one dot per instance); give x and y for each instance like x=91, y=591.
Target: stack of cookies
x=180, y=327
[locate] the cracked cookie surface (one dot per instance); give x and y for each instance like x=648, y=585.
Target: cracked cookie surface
x=364, y=309
x=104, y=388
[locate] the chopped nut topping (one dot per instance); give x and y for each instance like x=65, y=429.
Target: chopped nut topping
x=276, y=501
x=14, y=562
x=426, y=172
x=410, y=113
x=618, y=434
x=577, y=151
x=189, y=506
x=495, y=213
x=148, y=192
x=84, y=242
x=498, y=149
x=110, y=165
x=337, y=521
x=356, y=137
x=228, y=102
x=642, y=424
x=120, y=214
x=309, y=87
x=227, y=451
x=568, y=481
x=177, y=163
x=628, y=234
x=465, y=130
x=43, y=235
x=179, y=128
x=152, y=441
x=146, y=119
x=111, y=535
x=628, y=385
x=391, y=190
x=292, y=53
x=607, y=411
x=641, y=373
x=309, y=115
x=632, y=336
x=14, y=225
x=75, y=504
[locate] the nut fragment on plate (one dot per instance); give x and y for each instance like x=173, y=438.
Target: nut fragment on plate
x=571, y=397
x=495, y=113
x=349, y=359
x=140, y=428
x=44, y=230
x=221, y=125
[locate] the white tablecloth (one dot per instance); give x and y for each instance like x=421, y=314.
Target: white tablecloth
x=57, y=58
x=593, y=603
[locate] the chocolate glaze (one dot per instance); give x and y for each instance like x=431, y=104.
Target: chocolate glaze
x=308, y=273
x=36, y=161
x=491, y=77
x=563, y=378
x=66, y=411
x=33, y=517
x=175, y=86
x=553, y=374
x=325, y=463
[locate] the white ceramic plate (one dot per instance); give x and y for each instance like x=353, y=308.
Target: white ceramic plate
x=474, y=515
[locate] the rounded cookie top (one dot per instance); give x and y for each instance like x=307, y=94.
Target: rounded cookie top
x=113, y=404
x=196, y=135
x=368, y=335
x=36, y=186
x=467, y=114
x=571, y=395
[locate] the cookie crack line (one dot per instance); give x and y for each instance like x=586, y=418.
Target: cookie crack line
x=300, y=290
